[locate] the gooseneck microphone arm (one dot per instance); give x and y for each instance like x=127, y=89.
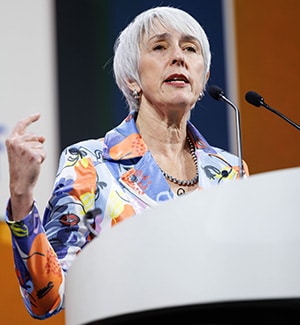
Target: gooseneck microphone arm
x=218, y=94
x=257, y=100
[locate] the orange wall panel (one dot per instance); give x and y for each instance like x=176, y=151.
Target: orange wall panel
x=268, y=51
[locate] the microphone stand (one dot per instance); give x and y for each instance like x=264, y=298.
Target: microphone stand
x=238, y=131
x=280, y=114
x=217, y=93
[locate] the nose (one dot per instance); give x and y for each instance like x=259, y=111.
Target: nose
x=178, y=57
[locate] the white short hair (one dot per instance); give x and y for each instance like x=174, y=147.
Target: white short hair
x=127, y=50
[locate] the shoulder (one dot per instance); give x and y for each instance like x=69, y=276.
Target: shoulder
x=91, y=148
x=90, y=145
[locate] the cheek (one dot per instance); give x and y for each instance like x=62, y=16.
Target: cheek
x=149, y=72
x=149, y=67
x=200, y=67
x=200, y=74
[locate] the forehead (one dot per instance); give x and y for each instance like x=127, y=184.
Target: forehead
x=160, y=31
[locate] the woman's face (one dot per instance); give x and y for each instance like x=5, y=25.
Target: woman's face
x=171, y=69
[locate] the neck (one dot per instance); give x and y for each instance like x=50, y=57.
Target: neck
x=190, y=182
x=163, y=130
x=166, y=139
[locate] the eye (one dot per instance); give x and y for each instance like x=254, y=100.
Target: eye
x=190, y=48
x=158, y=47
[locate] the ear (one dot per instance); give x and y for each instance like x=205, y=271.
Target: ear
x=132, y=85
x=207, y=76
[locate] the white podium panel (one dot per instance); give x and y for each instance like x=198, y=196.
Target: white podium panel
x=233, y=243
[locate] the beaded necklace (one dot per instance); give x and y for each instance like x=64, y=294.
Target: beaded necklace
x=190, y=182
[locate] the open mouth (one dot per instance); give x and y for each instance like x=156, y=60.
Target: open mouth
x=177, y=78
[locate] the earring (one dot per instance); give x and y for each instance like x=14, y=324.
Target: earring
x=136, y=95
x=200, y=96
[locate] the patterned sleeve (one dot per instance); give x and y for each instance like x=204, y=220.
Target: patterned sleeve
x=44, y=251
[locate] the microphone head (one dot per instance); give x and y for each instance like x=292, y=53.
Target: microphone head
x=254, y=98
x=215, y=92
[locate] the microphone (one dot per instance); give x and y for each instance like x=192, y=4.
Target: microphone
x=218, y=94
x=89, y=220
x=257, y=100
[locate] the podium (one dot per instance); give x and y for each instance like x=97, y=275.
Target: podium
x=222, y=255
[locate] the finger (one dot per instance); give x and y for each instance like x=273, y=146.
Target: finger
x=22, y=125
x=43, y=157
x=40, y=139
x=40, y=156
x=31, y=137
x=31, y=151
x=35, y=152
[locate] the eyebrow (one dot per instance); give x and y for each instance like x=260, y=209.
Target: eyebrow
x=186, y=38
x=160, y=36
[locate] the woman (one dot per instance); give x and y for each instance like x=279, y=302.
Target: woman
x=161, y=64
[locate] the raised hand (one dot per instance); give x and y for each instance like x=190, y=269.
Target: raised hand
x=25, y=155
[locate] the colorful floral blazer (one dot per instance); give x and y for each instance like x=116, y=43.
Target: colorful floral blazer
x=98, y=184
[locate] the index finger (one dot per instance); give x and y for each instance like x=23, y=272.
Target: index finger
x=22, y=125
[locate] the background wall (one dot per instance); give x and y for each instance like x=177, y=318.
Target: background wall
x=56, y=58
x=268, y=46
x=27, y=85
